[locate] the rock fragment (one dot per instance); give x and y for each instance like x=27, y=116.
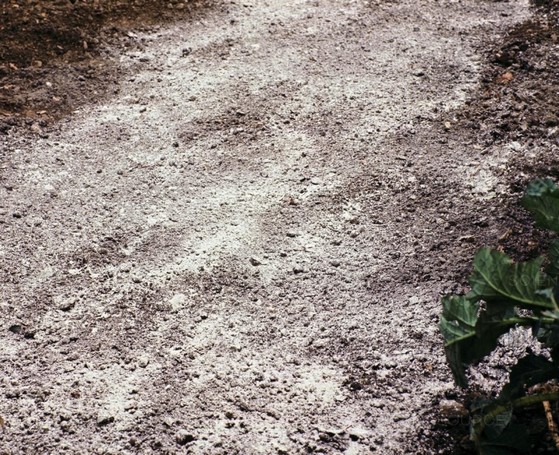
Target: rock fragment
x=104, y=417
x=183, y=437
x=452, y=409
x=255, y=261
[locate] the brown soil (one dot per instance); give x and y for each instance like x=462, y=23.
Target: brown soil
x=517, y=101
x=517, y=98
x=52, y=53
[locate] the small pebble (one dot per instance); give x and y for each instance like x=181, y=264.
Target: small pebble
x=183, y=437
x=67, y=305
x=178, y=301
x=104, y=417
x=255, y=262
x=143, y=361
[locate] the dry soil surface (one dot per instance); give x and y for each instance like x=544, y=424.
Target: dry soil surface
x=242, y=250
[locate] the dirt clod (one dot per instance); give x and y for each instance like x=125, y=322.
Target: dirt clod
x=184, y=437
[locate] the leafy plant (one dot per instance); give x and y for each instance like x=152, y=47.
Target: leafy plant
x=505, y=295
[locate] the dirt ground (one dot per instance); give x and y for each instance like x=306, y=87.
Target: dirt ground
x=53, y=54
x=232, y=231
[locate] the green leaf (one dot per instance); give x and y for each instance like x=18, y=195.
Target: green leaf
x=542, y=200
x=513, y=439
x=529, y=371
x=497, y=278
x=494, y=433
x=458, y=319
x=547, y=331
x=552, y=315
x=457, y=326
x=553, y=256
x=497, y=425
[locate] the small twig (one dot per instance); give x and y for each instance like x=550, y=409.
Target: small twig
x=551, y=423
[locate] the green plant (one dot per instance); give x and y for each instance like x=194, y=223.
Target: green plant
x=505, y=295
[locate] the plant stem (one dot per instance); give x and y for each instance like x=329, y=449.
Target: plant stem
x=551, y=425
x=518, y=403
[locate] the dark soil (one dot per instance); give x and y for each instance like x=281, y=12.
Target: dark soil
x=518, y=97
x=52, y=56
x=517, y=101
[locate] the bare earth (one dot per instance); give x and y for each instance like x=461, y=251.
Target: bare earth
x=242, y=251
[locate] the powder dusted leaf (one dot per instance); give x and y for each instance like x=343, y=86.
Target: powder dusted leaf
x=470, y=334
x=528, y=371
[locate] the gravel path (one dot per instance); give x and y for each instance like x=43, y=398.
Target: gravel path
x=242, y=251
